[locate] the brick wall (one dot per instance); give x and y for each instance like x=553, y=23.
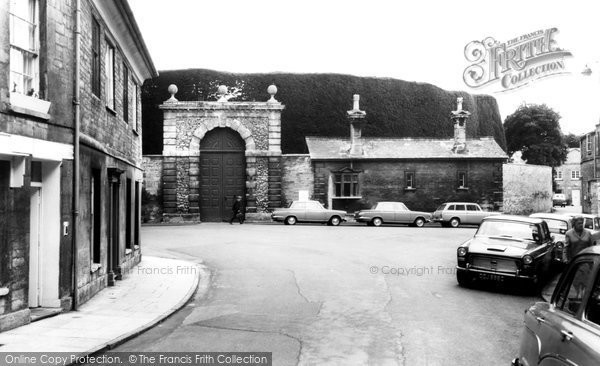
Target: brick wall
x=296, y=175
x=526, y=196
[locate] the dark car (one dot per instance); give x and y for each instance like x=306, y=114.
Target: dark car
x=392, y=213
x=506, y=247
x=559, y=199
x=308, y=211
x=566, y=331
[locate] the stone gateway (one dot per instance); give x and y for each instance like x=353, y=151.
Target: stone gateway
x=214, y=151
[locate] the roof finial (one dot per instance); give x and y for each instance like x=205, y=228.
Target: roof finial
x=272, y=90
x=172, y=89
x=222, y=90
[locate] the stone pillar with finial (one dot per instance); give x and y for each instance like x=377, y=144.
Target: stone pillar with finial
x=459, y=118
x=357, y=119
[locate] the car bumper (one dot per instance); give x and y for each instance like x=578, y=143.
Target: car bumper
x=492, y=274
x=277, y=218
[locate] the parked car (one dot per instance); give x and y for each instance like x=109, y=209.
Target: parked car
x=566, y=331
x=308, y=211
x=392, y=213
x=559, y=199
x=456, y=213
x=506, y=247
x=558, y=225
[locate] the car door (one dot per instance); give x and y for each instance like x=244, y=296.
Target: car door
x=298, y=209
x=315, y=212
x=386, y=211
x=461, y=213
x=402, y=214
x=561, y=332
x=474, y=214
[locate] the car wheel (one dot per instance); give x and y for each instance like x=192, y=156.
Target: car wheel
x=455, y=222
x=377, y=221
x=335, y=221
x=290, y=220
x=419, y=222
x=463, y=279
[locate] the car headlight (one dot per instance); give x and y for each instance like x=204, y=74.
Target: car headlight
x=527, y=259
x=560, y=245
x=462, y=251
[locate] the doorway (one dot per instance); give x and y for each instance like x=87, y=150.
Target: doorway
x=222, y=173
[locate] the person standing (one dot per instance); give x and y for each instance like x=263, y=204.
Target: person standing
x=238, y=211
x=578, y=238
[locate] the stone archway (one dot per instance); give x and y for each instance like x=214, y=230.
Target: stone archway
x=207, y=126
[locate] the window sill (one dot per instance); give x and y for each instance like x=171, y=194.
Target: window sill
x=30, y=106
x=136, y=132
x=128, y=251
x=94, y=267
x=462, y=188
x=409, y=189
x=348, y=198
x=136, y=247
x=111, y=111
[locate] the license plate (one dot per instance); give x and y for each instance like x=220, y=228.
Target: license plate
x=491, y=277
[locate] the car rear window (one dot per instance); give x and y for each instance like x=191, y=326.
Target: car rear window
x=472, y=208
x=557, y=226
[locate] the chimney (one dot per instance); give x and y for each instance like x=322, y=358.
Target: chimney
x=356, y=117
x=459, y=117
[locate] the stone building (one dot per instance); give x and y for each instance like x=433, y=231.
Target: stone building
x=567, y=177
x=214, y=151
x=70, y=151
x=356, y=172
x=590, y=171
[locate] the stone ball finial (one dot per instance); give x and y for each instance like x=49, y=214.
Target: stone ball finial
x=222, y=90
x=272, y=90
x=172, y=89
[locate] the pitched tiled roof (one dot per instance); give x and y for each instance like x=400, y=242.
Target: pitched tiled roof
x=328, y=148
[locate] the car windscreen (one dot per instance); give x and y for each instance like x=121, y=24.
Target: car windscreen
x=557, y=226
x=441, y=207
x=509, y=230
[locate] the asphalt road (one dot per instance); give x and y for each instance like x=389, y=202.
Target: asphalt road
x=320, y=295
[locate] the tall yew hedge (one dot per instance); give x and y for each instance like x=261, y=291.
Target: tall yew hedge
x=316, y=105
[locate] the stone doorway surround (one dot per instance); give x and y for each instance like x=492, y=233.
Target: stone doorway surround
x=184, y=126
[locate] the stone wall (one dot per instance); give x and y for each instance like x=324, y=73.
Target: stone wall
x=436, y=182
x=14, y=251
x=527, y=188
x=296, y=175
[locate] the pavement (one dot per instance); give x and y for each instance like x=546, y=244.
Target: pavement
x=148, y=294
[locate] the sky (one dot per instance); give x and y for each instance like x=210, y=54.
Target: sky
x=421, y=41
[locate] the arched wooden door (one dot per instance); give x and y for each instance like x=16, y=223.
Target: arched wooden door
x=222, y=173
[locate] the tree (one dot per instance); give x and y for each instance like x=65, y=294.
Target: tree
x=534, y=130
x=572, y=140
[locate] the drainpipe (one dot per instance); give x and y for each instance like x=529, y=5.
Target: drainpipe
x=77, y=123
